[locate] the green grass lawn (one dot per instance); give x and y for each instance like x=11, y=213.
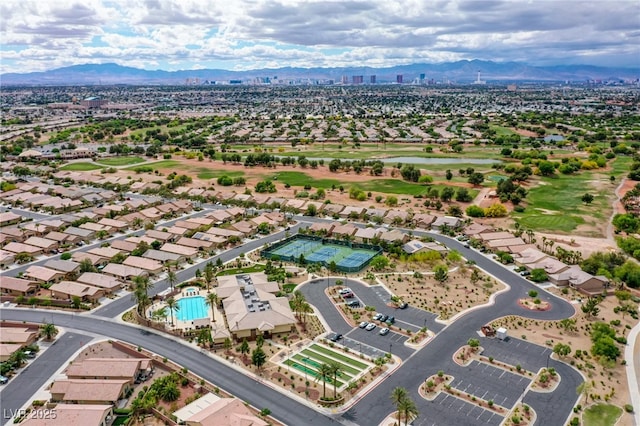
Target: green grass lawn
x=247, y=270
x=121, y=161
x=158, y=165
x=385, y=186
x=502, y=131
x=601, y=415
x=81, y=167
x=556, y=205
x=206, y=173
x=325, y=359
x=288, y=288
x=337, y=355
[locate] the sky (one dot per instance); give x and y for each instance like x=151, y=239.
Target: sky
x=251, y=34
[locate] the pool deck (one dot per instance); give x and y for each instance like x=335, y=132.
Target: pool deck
x=188, y=324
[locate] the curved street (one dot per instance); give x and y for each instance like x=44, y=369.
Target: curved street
x=417, y=365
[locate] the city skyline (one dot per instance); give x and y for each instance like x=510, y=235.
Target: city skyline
x=242, y=35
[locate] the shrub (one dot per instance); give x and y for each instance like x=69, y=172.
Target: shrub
x=628, y=408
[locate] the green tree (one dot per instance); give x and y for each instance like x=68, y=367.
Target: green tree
x=379, y=263
x=323, y=373
x=538, y=275
x=587, y=198
x=173, y=306
x=49, y=330
x=441, y=273
x=584, y=389
x=336, y=370
x=407, y=409
x=590, y=307
x=258, y=357
x=76, y=302
x=562, y=350
x=244, y=347
x=209, y=274
x=86, y=266
x=212, y=301
x=172, y=279
x=23, y=257
x=476, y=179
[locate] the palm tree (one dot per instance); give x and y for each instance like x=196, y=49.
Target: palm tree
x=172, y=279
x=18, y=357
x=143, y=283
x=297, y=303
x=398, y=394
x=140, y=296
x=336, y=370
x=324, y=371
x=407, y=407
x=212, y=301
x=173, y=306
x=49, y=330
x=209, y=274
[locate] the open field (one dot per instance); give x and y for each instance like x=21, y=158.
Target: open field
x=601, y=415
x=120, y=161
x=81, y=167
x=555, y=204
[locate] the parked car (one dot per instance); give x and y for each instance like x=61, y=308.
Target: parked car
x=525, y=273
x=370, y=327
x=363, y=324
x=390, y=320
x=377, y=316
x=4, y=380
x=384, y=331
x=29, y=354
x=466, y=245
x=383, y=317
x=345, y=290
x=334, y=337
x=353, y=304
x=403, y=305
x=347, y=295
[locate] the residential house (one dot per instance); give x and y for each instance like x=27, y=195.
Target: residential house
x=225, y=233
x=322, y=228
x=75, y=414
x=61, y=238
x=85, y=391
x=160, y=235
x=187, y=225
x=96, y=227
x=332, y=209
x=343, y=231
x=177, y=231
x=85, y=235
x=201, y=221
x=123, y=272
x=67, y=267
x=96, y=261
x=447, y=221
x=225, y=411
x=67, y=290
x=417, y=246
x=124, y=246
x=396, y=216
x=219, y=216
x=373, y=212
x=43, y=275
x=198, y=244
x=153, y=267
x=423, y=220
x=118, y=225
x=9, y=218
x=23, y=248
x=6, y=259
x=186, y=252
x=247, y=228
x=18, y=286
x=14, y=234
x=104, y=252
x=506, y=244
x=129, y=369
x=46, y=245
x=351, y=211
x=393, y=236
x=163, y=256
x=106, y=282
x=366, y=235
x=37, y=229
x=474, y=229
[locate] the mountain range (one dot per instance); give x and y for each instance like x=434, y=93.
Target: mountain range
x=460, y=72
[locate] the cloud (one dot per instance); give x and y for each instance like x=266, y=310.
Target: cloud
x=247, y=34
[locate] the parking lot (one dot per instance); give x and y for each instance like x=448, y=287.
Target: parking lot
x=487, y=382
x=458, y=412
x=514, y=351
x=393, y=341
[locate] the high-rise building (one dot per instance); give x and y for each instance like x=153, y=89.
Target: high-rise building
x=399, y=78
x=357, y=79
x=345, y=79
x=422, y=77
x=372, y=79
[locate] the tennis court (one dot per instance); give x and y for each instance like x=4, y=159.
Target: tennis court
x=347, y=256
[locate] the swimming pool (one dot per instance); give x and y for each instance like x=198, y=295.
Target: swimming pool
x=192, y=308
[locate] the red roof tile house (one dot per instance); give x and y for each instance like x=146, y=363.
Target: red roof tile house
x=75, y=414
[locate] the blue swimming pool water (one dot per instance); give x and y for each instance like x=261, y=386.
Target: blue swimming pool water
x=192, y=308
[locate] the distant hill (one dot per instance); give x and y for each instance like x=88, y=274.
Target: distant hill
x=460, y=71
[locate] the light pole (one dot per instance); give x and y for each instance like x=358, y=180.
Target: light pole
x=390, y=346
x=425, y=323
x=360, y=346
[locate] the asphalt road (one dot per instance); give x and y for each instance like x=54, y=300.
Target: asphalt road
x=285, y=409
x=125, y=303
x=38, y=371
x=28, y=214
